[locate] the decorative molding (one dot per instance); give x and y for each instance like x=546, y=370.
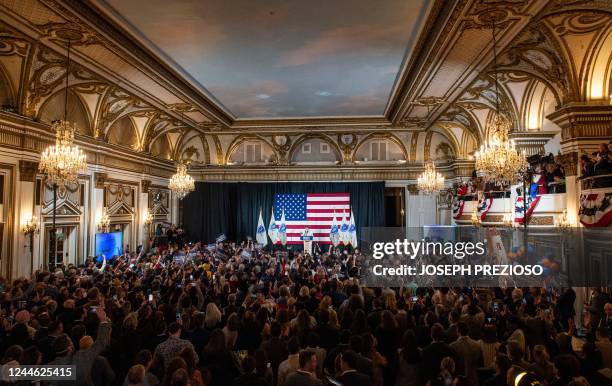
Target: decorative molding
x=145, y=185
x=582, y=120
x=531, y=142
x=569, y=163
x=493, y=218
x=100, y=180
x=412, y=189
x=27, y=171
x=542, y=220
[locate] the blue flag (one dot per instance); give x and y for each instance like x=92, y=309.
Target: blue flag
x=260, y=236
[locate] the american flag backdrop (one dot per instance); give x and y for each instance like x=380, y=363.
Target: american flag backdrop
x=313, y=209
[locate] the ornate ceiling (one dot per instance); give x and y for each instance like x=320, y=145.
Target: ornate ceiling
x=426, y=90
x=276, y=58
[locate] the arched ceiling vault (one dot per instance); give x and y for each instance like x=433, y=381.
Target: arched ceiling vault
x=550, y=53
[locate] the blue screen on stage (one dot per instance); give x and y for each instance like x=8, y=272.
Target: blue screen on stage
x=109, y=244
x=440, y=232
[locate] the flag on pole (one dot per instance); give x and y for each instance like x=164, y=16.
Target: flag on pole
x=334, y=236
x=344, y=236
x=282, y=230
x=352, y=231
x=272, y=230
x=260, y=236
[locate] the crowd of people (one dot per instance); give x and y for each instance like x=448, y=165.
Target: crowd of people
x=599, y=163
x=545, y=173
x=229, y=314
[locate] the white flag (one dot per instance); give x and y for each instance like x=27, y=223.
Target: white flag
x=272, y=230
x=334, y=236
x=261, y=230
x=282, y=229
x=352, y=231
x=344, y=236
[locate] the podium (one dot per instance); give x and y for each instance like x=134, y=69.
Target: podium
x=307, y=243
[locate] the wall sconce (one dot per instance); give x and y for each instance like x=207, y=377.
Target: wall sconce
x=104, y=223
x=475, y=219
x=508, y=220
x=30, y=227
x=562, y=222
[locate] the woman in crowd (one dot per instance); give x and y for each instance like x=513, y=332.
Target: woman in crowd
x=237, y=315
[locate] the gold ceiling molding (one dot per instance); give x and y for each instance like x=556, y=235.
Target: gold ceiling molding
x=536, y=52
x=348, y=144
x=386, y=136
x=239, y=140
x=414, y=140
x=116, y=104
x=73, y=32
x=116, y=40
x=32, y=137
x=427, y=149
x=445, y=17
x=410, y=171
x=47, y=76
x=509, y=15
x=305, y=137
x=533, y=48
x=185, y=154
x=218, y=149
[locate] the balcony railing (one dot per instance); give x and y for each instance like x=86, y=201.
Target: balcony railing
x=595, y=182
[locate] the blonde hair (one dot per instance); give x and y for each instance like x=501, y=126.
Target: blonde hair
x=130, y=322
x=304, y=292
x=448, y=364
x=325, y=302
x=333, y=318
x=213, y=315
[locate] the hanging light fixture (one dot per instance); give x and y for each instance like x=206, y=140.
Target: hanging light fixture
x=430, y=181
x=62, y=162
x=497, y=160
x=104, y=223
x=181, y=183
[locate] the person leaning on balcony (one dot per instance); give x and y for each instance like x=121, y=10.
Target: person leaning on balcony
x=586, y=167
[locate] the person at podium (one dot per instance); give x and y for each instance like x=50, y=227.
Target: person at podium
x=307, y=238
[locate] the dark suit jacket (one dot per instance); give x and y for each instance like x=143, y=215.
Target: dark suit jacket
x=353, y=378
x=433, y=355
x=301, y=379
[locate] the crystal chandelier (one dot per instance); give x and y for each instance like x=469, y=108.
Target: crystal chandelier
x=181, y=183
x=430, y=181
x=104, y=223
x=63, y=162
x=497, y=160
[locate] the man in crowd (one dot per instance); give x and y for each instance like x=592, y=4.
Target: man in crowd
x=260, y=308
x=306, y=374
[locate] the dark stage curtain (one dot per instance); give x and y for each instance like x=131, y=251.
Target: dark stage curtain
x=233, y=208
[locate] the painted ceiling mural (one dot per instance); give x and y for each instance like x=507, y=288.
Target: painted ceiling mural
x=283, y=58
x=439, y=110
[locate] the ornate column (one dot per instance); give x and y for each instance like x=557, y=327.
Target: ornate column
x=143, y=208
x=24, y=249
x=569, y=162
x=97, y=207
x=583, y=127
